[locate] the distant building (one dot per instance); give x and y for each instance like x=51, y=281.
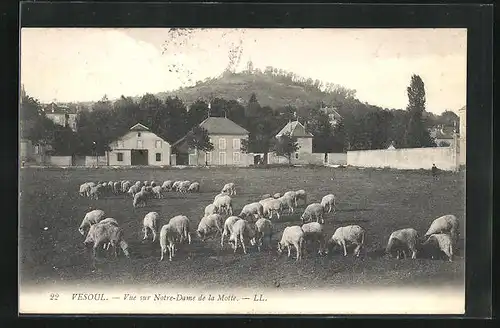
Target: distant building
x=462, y=114
x=226, y=137
x=61, y=114
x=391, y=146
x=304, y=138
x=139, y=146
x=333, y=116
x=443, y=135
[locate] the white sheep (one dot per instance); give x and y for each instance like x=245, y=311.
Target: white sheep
x=264, y=229
x=100, y=234
x=228, y=228
x=224, y=203
x=352, y=234
x=210, y=209
x=314, y=210
x=126, y=186
x=117, y=187
x=262, y=201
x=139, y=184
x=403, y=240
x=84, y=189
x=229, y=188
x=255, y=210
x=89, y=219
x=108, y=221
x=220, y=195
x=140, y=199
x=445, y=224
x=176, y=231
x=184, y=186
x=328, y=202
x=133, y=190
x=290, y=194
x=277, y=195
x=444, y=242
x=287, y=201
x=292, y=236
x=194, y=187
x=157, y=192
x=175, y=185
x=244, y=232
x=302, y=196
x=265, y=196
x=153, y=184
x=167, y=185
x=272, y=206
x=150, y=223
x=314, y=232
x=146, y=183
x=210, y=224
x=96, y=192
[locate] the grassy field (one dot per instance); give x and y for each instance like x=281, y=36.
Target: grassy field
x=380, y=201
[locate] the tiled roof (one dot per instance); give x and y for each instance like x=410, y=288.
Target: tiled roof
x=222, y=125
x=54, y=108
x=295, y=129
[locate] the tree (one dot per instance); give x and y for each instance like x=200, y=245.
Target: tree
x=198, y=139
x=198, y=111
x=286, y=145
x=253, y=107
x=416, y=133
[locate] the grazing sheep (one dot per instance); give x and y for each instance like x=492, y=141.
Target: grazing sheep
x=292, y=236
x=157, y=192
x=117, y=187
x=352, y=234
x=277, y=195
x=271, y=207
x=146, y=183
x=261, y=202
x=126, y=186
x=314, y=210
x=84, y=189
x=290, y=194
x=100, y=234
x=167, y=185
x=220, y=195
x=244, y=232
x=175, y=185
x=176, y=231
x=210, y=209
x=224, y=203
x=328, y=202
x=89, y=219
x=133, y=190
x=210, y=224
x=300, y=195
x=153, y=184
x=445, y=224
x=443, y=241
x=265, y=196
x=228, y=228
x=140, y=184
x=229, y=189
x=108, y=220
x=255, y=210
x=287, y=201
x=313, y=232
x=264, y=228
x=194, y=187
x=140, y=199
x=150, y=223
x=402, y=240
x=96, y=192
x=184, y=186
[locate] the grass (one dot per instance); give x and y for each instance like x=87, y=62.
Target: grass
x=380, y=201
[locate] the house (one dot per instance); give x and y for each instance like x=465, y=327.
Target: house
x=462, y=114
x=225, y=136
x=61, y=114
x=443, y=135
x=139, y=146
x=333, y=116
x=304, y=139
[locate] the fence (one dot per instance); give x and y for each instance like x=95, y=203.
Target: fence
x=96, y=160
x=301, y=159
x=445, y=158
x=60, y=160
x=336, y=158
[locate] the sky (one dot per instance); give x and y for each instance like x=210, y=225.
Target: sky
x=84, y=64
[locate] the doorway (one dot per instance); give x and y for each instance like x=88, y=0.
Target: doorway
x=139, y=157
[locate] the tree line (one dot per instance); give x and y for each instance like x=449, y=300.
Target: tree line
x=171, y=119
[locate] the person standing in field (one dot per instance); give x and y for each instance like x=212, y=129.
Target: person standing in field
x=434, y=171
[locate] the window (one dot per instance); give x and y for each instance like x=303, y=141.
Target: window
x=208, y=157
x=119, y=157
x=236, y=156
x=158, y=157
x=296, y=155
x=236, y=144
x=222, y=158
x=222, y=143
x=158, y=144
x=138, y=134
x=139, y=143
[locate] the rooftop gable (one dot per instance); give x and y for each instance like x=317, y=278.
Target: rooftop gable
x=139, y=127
x=295, y=129
x=222, y=125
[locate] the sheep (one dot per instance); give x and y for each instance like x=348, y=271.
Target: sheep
x=445, y=224
x=314, y=210
x=175, y=231
x=271, y=207
x=210, y=209
x=265, y=196
x=175, y=185
x=96, y=192
x=209, y=224
x=108, y=220
x=133, y=190
x=228, y=228
x=328, y=202
x=352, y=234
x=89, y=219
x=292, y=236
x=140, y=199
x=84, y=189
x=290, y=194
x=229, y=188
x=100, y=234
x=150, y=223
x=313, y=231
x=287, y=200
x=444, y=242
x=157, y=192
x=261, y=202
x=264, y=228
x=220, y=195
x=148, y=190
x=146, y=183
x=224, y=203
x=254, y=210
x=167, y=185
x=403, y=239
x=139, y=184
x=300, y=195
x=277, y=195
x=194, y=187
x=153, y=184
x=184, y=186
x=117, y=187
x=243, y=231
x=126, y=186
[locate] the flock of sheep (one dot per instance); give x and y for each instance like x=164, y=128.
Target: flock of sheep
x=252, y=225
